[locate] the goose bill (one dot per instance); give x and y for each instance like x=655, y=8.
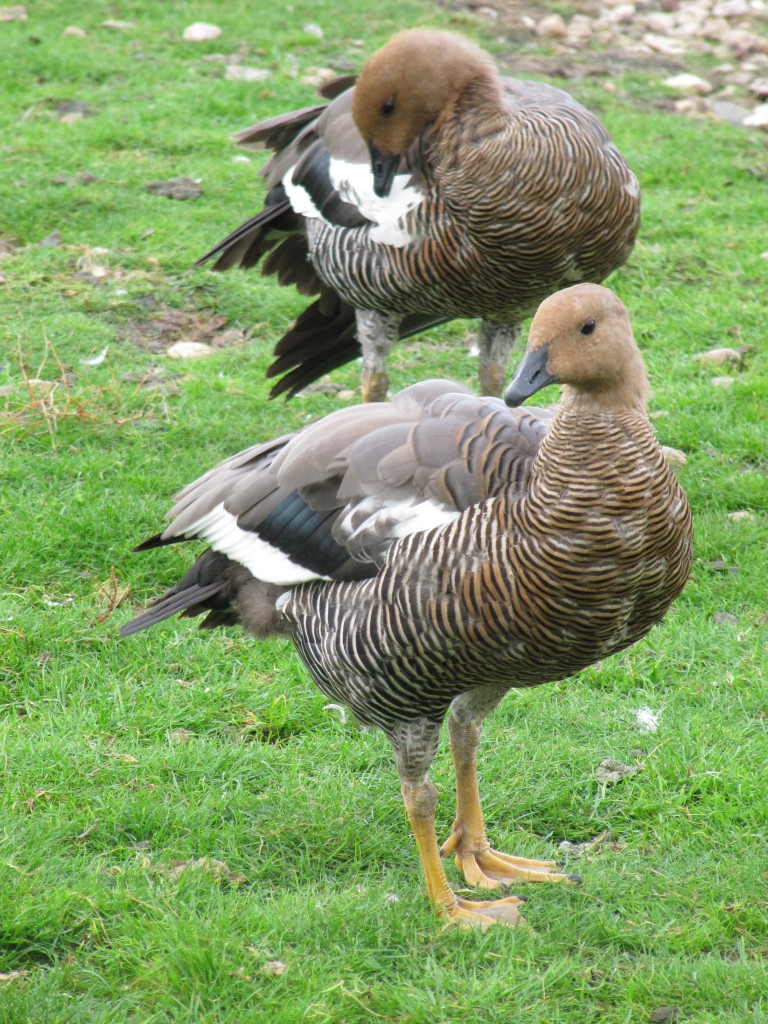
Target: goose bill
x=531, y=376
x=384, y=169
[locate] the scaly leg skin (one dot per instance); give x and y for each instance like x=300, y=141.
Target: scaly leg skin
x=414, y=744
x=483, y=867
x=495, y=342
x=377, y=333
x=420, y=800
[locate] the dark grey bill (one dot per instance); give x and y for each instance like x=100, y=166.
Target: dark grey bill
x=531, y=376
x=384, y=169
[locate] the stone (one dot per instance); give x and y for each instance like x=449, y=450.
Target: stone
x=689, y=84
x=200, y=32
x=552, y=27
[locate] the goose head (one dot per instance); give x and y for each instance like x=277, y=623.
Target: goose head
x=409, y=86
x=581, y=338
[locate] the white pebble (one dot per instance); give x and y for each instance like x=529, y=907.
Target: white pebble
x=200, y=32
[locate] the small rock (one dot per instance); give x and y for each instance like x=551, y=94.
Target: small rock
x=274, y=967
x=733, y=113
x=758, y=118
x=176, y=188
x=316, y=78
x=722, y=382
x=200, y=32
x=578, y=32
x=615, y=771
x=662, y=22
x=552, y=27
x=720, y=565
x=621, y=14
x=739, y=515
x=688, y=84
x=17, y=13
x=725, y=619
x=580, y=849
x=313, y=30
x=75, y=32
x=189, y=350
x=674, y=457
x=720, y=357
x=743, y=42
x=731, y=9
x=118, y=26
x=664, y=45
x=52, y=240
x=240, y=73
x=664, y=1015
x=759, y=88
x=690, y=105
x=181, y=736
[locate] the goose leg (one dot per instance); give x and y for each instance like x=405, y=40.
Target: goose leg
x=377, y=333
x=481, y=865
x=414, y=745
x=495, y=342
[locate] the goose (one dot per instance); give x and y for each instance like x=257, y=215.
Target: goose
x=427, y=554
x=431, y=189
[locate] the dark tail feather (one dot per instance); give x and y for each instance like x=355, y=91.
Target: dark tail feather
x=246, y=244
x=205, y=588
x=171, y=603
x=155, y=542
x=324, y=338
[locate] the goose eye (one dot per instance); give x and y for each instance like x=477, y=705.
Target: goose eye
x=588, y=326
x=387, y=108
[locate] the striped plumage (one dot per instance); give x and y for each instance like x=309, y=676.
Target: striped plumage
x=505, y=191
x=470, y=548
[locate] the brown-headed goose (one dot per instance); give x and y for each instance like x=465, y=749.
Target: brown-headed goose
x=427, y=554
x=431, y=189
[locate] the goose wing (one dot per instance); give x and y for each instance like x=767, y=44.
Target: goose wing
x=329, y=500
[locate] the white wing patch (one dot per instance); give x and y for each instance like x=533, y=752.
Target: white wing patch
x=369, y=527
x=268, y=563
x=354, y=183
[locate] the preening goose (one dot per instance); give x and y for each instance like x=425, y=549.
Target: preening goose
x=428, y=554
x=431, y=189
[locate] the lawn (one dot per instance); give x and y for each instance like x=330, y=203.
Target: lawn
x=187, y=832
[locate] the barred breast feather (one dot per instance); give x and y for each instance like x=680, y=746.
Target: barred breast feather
x=472, y=195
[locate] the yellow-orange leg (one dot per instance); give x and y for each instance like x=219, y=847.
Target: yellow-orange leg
x=482, y=866
x=377, y=333
x=420, y=800
x=374, y=386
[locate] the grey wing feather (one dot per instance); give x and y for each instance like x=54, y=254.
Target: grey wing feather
x=341, y=490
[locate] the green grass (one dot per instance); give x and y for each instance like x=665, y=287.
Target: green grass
x=119, y=758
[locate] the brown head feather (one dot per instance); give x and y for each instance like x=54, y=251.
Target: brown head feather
x=592, y=350
x=415, y=81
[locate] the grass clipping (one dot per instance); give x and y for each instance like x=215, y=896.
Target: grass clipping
x=45, y=396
